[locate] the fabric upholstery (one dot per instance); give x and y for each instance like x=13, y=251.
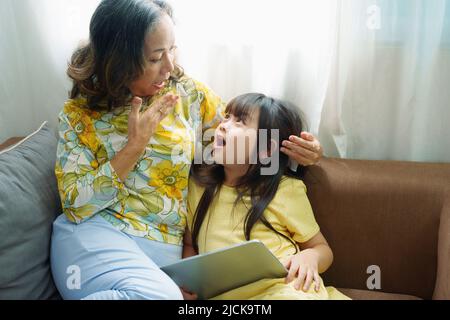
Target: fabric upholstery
x=29, y=203
x=386, y=214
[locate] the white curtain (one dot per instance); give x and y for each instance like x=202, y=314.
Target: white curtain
x=388, y=94
x=370, y=75
x=36, y=42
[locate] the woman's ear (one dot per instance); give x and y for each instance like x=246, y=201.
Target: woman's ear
x=264, y=154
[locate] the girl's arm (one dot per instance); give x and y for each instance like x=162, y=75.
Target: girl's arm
x=318, y=245
x=85, y=186
x=314, y=258
x=188, y=248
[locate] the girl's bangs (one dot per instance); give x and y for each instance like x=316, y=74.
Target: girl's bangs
x=243, y=107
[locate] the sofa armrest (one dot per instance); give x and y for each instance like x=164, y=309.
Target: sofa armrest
x=442, y=290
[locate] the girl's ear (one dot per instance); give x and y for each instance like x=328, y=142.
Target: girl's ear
x=264, y=154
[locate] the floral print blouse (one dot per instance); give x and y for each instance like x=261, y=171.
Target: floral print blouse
x=151, y=202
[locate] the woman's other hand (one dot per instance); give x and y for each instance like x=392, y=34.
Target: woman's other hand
x=306, y=149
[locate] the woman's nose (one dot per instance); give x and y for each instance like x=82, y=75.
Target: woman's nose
x=169, y=66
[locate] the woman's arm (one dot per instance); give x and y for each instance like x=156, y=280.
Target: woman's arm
x=141, y=127
x=318, y=245
x=87, y=187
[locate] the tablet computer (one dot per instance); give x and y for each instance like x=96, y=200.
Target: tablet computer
x=216, y=272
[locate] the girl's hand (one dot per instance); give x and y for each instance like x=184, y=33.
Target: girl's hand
x=188, y=295
x=142, y=125
x=306, y=149
x=304, y=267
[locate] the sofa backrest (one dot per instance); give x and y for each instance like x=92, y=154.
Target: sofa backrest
x=384, y=214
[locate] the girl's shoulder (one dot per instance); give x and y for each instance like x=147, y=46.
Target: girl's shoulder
x=291, y=201
x=291, y=192
x=288, y=186
x=292, y=185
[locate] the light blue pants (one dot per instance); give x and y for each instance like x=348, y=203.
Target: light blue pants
x=95, y=261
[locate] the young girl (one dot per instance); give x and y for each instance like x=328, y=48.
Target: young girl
x=233, y=201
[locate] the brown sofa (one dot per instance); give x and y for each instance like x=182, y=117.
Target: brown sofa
x=394, y=215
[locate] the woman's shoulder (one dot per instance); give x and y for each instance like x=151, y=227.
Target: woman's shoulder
x=192, y=86
x=78, y=108
x=76, y=105
x=188, y=81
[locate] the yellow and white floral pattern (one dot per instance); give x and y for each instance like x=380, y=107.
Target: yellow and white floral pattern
x=151, y=202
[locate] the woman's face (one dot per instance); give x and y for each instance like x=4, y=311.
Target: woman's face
x=235, y=140
x=159, y=58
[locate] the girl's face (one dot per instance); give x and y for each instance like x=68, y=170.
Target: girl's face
x=236, y=139
x=159, y=56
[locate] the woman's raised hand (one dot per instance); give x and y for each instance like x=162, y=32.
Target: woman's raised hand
x=142, y=125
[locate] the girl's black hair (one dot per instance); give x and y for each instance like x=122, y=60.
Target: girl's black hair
x=273, y=114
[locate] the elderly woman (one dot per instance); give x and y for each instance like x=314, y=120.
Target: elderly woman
x=126, y=141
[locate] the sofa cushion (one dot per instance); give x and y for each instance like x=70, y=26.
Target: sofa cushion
x=375, y=295
x=10, y=142
x=29, y=202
